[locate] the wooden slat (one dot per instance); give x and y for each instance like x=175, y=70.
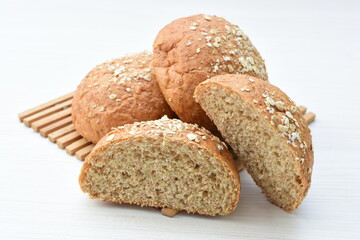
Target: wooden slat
x=55, y=126
x=169, y=212
x=44, y=106
x=81, y=154
x=67, y=139
x=302, y=109
x=61, y=132
x=58, y=107
x=77, y=145
x=239, y=164
x=50, y=119
x=309, y=117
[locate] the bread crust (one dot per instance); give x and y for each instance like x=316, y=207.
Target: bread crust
x=115, y=93
x=270, y=101
x=192, y=49
x=169, y=130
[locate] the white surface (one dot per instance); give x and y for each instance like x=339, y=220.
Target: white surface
x=46, y=48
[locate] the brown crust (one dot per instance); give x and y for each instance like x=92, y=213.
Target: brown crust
x=270, y=101
x=167, y=129
x=192, y=49
x=115, y=93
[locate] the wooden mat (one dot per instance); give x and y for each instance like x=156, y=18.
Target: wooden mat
x=53, y=121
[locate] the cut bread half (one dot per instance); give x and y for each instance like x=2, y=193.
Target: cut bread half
x=267, y=132
x=163, y=163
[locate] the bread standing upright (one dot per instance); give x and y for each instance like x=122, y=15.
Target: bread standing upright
x=267, y=132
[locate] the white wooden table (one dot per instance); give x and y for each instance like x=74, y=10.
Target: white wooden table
x=311, y=50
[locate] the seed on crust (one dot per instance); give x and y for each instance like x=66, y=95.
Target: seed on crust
x=110, y=137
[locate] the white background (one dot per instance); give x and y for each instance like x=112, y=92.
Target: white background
x=311, y=50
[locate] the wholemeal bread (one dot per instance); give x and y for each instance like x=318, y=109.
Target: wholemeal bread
x=115, y=93
x=163, y=163
x=192, y=49
x=266, y=131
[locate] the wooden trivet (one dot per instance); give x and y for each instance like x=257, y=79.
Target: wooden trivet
x=53, y=121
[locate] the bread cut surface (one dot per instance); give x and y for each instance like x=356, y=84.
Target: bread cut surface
x=115, y=93
x=266, y=131
x=192, y=49
x=163, y=163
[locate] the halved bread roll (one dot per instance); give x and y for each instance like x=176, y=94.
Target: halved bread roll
x=267, y=132
x=163, y=163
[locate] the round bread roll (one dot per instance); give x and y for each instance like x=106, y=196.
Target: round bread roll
x=163, y=163
x=115, y=93
x=267, y=132
x=192, y=49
